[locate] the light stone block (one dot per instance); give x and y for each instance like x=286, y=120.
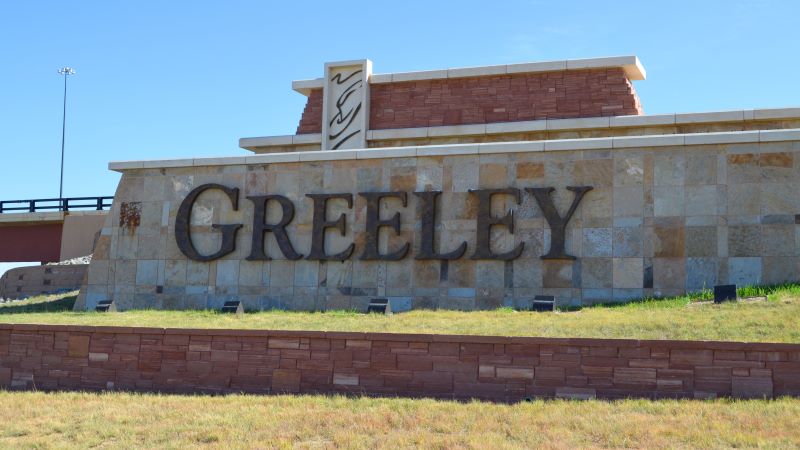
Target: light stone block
x=147, y=272
x=578, y=144
x=701, y=200
x=421, y=75
x=576, y=124
x=398, y=133
x=728, y=137
x=448, y=150
x=776, y=113
x=717, y=116
x=482, y=71
x=648, y=141
x=457, y=130
x=744, y=271
x=597, y=242
x=628, y=273
x=701, y=273
x=668, y=201
x=643, y=120
x=516, y=127
x=510, y=147
x=227, y=273
x=393, y=152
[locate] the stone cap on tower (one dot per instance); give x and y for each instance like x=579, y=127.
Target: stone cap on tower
x=633, y=68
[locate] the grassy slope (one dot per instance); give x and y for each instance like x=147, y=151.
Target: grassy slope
x=77, y=420
x=682, y=318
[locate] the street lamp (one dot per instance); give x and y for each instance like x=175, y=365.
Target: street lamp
x=66, y=71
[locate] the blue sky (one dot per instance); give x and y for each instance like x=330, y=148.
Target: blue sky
x=160, y=79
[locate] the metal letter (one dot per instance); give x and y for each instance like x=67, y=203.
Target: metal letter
x=374, y=224
x=557, y=224
x=428, y=229
x=183, y=234
x=483, y=248
x=320, y=224
x=278, y=229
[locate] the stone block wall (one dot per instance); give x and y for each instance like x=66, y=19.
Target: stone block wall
x=505, y=369
x=23, y=282
x=659, y=221
x=491, y=99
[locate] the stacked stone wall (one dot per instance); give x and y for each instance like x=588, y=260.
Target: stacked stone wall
x=659, y=221
x=455, y=367
x=25, y=282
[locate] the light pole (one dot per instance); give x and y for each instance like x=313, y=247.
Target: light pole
x=66, y=71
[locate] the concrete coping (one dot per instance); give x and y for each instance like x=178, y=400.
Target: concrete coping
x=605, y=143
x=584, y=123
x=633, y=68
x=44, y=216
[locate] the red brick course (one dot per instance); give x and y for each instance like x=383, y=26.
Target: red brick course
x=53, y=357
x=311, y=120
x=491, y=99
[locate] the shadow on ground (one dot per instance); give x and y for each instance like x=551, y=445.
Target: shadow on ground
x=56, y=305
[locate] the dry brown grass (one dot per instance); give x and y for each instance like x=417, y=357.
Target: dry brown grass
x=116, y=420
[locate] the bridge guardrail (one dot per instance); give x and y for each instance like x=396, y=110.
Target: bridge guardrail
x=56, y=204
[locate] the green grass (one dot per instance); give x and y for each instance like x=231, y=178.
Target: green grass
x=121, y=420
x=773, y=320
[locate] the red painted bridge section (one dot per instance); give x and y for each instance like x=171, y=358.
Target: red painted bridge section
x=30, y=242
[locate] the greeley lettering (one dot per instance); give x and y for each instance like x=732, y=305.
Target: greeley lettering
x=427, y=204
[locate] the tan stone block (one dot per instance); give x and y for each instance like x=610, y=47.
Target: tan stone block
x=744, y=240
x=743, y=168
x=102, y=248
x=776, y=270
x=493, y=176
x=528, y=272
x=777, y=240
x=779, y=198
x=598, y=204
x=669, y=273
x=744, y=199
x=701, y=241
x=365, y=273
x=426, y=273
x=701, y=200
x=669, y=239
x=594, y=172
x=668, y=201
x=557, y=274
x=701, y=169
x=628, y=202
x=669, y=170
x=628, y=273
x=529, y=170
x=98, y=272
x=597, y=273
x=403, y=179
x=628, y=171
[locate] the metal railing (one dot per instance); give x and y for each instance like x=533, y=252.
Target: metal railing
x=56, y=204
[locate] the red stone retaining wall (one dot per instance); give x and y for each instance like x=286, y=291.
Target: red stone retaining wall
x=487, y=367
x=491, y=99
